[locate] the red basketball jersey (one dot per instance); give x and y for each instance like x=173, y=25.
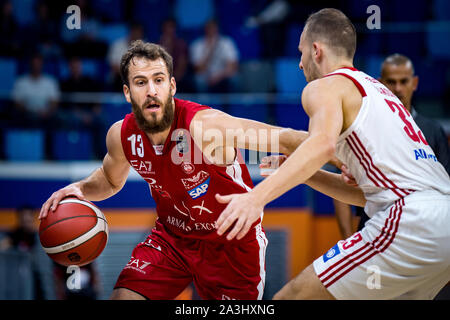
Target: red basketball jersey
x=182, y=184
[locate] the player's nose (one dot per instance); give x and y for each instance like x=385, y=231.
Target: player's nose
x=151, y=89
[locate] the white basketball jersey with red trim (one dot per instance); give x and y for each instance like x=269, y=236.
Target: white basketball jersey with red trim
x=384, y=148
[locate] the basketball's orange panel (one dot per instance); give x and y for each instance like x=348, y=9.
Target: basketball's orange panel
x=84, y=253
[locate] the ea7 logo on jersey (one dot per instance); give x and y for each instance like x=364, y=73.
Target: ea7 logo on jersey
x=200, y=190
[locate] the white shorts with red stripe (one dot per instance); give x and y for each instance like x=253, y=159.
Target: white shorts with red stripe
x=403, y=252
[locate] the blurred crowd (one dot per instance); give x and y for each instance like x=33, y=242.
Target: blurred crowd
x=208, y=39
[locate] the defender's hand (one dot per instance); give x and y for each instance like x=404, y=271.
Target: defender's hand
x=243, y=209
x=270, y=163
x=347, y=177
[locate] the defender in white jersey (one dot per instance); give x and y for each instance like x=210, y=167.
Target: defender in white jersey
x=403, y=252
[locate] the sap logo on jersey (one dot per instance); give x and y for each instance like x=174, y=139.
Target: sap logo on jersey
x=200, y=190
x=333, y=252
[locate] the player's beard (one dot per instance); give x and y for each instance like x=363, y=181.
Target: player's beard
x=152, y=125
x=312, y=72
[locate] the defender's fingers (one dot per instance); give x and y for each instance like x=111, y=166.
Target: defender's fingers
x=237, y=228
x=226, y=223
x=244, y=230
x=224, y=199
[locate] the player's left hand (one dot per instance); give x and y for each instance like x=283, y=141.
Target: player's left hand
x=242, y=208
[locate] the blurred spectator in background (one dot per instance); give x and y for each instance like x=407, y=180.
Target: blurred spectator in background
x=76, y=41
x=9, y=40
x=89, y=283
x=272, y=23
x=43, y=34
x=215, y=59
x=36, y=99
x=178, y=49
x=115, y=52
x=82, y=116
x=36, y=95
x=24, y=239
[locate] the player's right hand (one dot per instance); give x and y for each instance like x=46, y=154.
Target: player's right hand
x=270, y=163
x=52, y=202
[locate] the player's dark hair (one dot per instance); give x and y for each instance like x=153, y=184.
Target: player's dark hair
x=333, y=28
x=141, y=49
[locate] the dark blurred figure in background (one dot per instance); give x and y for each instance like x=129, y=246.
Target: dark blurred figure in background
x=178, y=49
x=24, y=239
x=115, y=52
x=9, y=40
x=36, y=98
x=43, y=34
x=272, y=22
x=82, y=116
x=76, y=41
x=89, y=283
x=215, y=59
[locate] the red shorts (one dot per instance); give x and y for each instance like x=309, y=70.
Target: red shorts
x=164, y=265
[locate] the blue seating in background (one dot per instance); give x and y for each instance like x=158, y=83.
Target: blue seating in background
x=151, y=13
x=289, y=77
x=256, y=76
x=248, y=43
x=292, y=40
x=193, y=14
x=24, y=11
x=231, y=14
x=291, y=116
x=441, y=9
x=432, y=78
x=72, y=145
x=112, y=32
x=357, y=9
x=373, y=65
x=411, y=44
x=8, y=71
x=412, y=11
x=112, y=112
x=93, y=68
x=438, y=44
x=110, y=9
x=372, y=42
x=258, y=112
x=24, y=145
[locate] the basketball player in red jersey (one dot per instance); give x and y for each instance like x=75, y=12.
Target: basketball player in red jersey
x=179, y=148
x=403, y=252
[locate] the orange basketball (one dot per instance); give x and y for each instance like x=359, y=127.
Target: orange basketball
x=75, y=233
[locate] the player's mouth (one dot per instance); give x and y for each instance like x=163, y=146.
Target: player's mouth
x=153, y=106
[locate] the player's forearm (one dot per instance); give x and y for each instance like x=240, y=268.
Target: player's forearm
x=290, y=139
x=308, y=158
x=267, y=138
x=332, y=185
x=97, y=186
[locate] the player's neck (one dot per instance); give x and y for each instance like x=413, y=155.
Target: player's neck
x=331, y=66
x=158, y=138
